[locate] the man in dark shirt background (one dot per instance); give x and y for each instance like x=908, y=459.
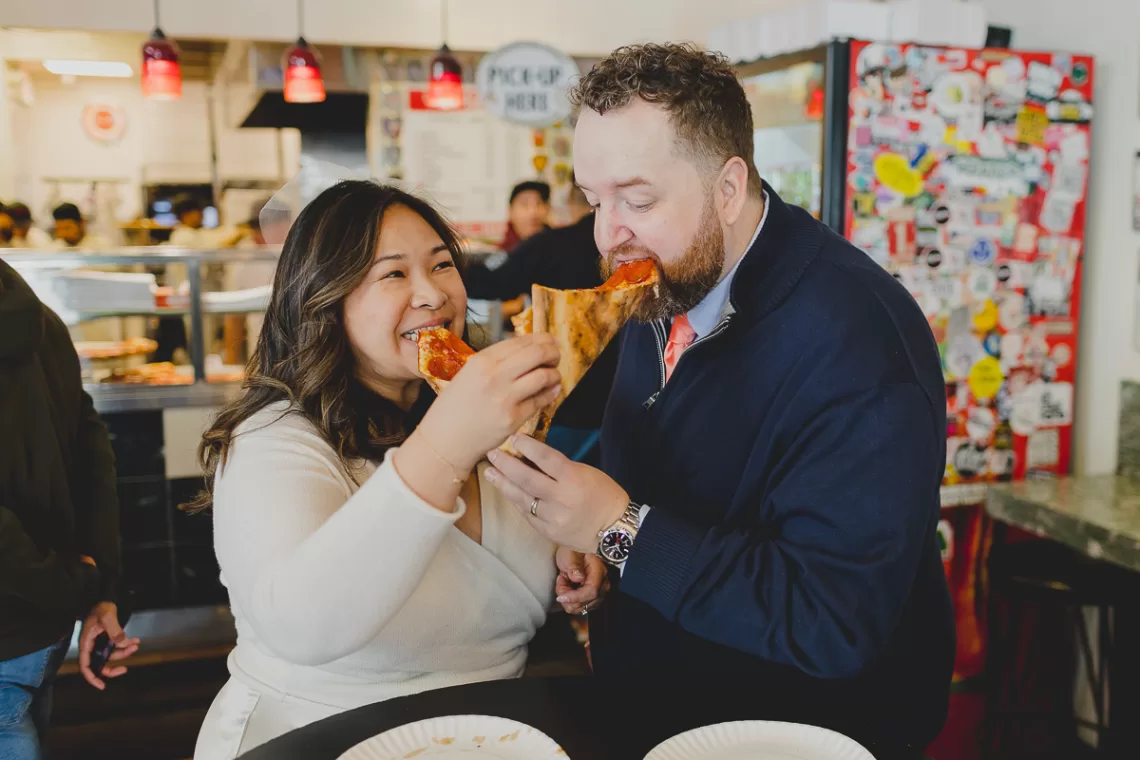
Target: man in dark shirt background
x=59, y=519
x=565, y=258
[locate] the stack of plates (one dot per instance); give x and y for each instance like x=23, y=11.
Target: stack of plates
x=250, y=299
x=73, y=292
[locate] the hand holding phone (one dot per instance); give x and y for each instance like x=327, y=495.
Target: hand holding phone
x=102, y=640
x=101, y=653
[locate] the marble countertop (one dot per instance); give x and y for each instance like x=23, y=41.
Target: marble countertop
x=1098, y=515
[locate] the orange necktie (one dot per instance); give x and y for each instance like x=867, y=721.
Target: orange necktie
x=680, y=338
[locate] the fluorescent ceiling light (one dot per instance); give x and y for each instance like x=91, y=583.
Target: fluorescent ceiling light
x=89, y=68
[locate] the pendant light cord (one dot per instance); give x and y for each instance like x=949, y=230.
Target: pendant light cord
x=443, y=22
x=157, y=24
x=301, y=18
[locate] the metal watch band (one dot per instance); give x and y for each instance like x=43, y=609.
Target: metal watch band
x=632, y=516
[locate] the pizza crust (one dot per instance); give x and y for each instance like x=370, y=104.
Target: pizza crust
x=583, y=322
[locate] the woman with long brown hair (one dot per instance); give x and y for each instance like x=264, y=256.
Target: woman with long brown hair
x=365, y=556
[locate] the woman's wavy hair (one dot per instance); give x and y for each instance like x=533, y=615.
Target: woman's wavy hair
x=303, y=355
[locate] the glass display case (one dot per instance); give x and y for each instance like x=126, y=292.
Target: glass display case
x=166, y=327
x=787, y=99
x=157, y=327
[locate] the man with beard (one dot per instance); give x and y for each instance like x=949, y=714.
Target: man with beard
x=774, y=444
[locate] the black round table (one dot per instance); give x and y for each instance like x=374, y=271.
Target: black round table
x=591, y=719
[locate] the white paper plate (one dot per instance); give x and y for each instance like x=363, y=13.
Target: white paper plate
x=760, y=740
x=471, y=737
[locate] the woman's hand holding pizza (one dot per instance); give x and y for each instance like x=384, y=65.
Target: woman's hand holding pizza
x=496, y=391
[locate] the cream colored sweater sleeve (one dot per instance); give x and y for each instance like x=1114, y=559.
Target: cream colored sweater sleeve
x=316, y=570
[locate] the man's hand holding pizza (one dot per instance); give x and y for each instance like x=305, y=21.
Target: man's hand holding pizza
x=574, y=501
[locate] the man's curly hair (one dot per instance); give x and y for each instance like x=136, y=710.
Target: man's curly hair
x=699, y=90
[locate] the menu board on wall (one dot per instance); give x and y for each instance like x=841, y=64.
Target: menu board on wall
x=466, y=162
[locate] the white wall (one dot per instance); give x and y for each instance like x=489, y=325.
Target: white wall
x=163, y=142
x=582, y=27
x=1110, y=30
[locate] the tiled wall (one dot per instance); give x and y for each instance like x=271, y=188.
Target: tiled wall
x=168, y=556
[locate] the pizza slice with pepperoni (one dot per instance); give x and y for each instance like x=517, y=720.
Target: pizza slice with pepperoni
x=441, y=355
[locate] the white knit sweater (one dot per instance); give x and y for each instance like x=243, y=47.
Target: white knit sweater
x=347, y=594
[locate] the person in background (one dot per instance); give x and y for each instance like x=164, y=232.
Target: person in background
x=71, y=230
x=527, y=216
x=190, y=231
x=529, y=209
x=241, y=330
x=775, y=441
x=24, y=234
x=565, y=258
x=7, y=228
x=190, y=216
x=579, y=206
x=59, y=519
x=363, y=556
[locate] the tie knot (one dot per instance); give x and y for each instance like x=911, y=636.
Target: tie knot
x=682, y=333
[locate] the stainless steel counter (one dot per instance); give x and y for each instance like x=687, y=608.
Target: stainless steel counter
x=111, y=398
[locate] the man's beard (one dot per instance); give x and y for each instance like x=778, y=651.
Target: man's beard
x=684, y=283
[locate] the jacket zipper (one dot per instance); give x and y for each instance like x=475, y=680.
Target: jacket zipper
x=658, y=329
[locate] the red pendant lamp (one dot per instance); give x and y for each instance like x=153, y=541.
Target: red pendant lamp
x=161, y=73
x=445, y=79
x=302, y=66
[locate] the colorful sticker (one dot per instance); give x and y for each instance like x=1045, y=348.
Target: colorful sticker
x=980, y=424
x=962, y=355
x=864, y=204
x=1031, y=125
x=1069, y=179
x=981, y=283
x=1043, y=449
x=1057, y=213
x=1062, y=354
x=1080, y=73
x=1056, y=404
x=1011, y=345
x=1023, y=418
x=992, y=344
x=970, y=460
x=983, y=252
x=985, y=316
x=895, y=172
x=1025, y=238
x=986, y=377
x=996, y=177
x=1044, y=82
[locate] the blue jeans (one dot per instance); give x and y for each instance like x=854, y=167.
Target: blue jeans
x=25, y=701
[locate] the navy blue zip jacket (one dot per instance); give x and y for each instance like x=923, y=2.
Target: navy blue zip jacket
x=793, y=465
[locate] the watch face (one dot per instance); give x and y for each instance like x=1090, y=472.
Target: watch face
x=616, y=546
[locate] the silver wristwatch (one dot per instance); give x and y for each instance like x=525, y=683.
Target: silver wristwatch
x=616, y=542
